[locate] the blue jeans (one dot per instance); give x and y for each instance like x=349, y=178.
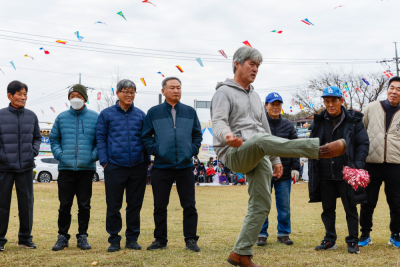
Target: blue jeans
x=282, y=196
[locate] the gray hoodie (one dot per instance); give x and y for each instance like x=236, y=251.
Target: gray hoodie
x=235, y=110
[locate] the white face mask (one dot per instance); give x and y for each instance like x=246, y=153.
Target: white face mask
x=77, y=103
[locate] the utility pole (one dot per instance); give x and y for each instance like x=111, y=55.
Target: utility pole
x=396, y=58
x=80, y=78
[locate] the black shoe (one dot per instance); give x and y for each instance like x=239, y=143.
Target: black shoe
x=261, y=241
x=326, y=245
x=285, y=240
x=133, y=244
x=62, y=242
x=2, y=247
x=191, y=244
x=157, y=245
x=114, y=247
x=353, y=247
x=82, y=243
x=26, y=244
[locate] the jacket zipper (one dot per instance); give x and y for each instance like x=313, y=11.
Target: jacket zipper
x=83, y=128
x=19, y=143
x=385, y=151
x=77, y=141
x=129, y=140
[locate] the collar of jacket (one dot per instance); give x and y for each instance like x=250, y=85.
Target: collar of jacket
x=169, y=106
x=78, y=112
x=349, y=115
x=15, y=110
x=233, y=84
x=273, y=121
x=343, y=115
x=120, y=109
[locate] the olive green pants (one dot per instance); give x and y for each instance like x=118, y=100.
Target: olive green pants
x=252, y=159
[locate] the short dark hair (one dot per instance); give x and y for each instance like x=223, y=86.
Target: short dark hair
x=164, y=82
x=394, y=79
x=16, y=86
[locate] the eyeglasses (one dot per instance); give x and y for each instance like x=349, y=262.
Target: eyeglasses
x=128, y=92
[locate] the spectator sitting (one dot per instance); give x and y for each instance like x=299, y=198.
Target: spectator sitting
x=201, y=171
x=216, y=162
x=210, y=173
x=211, y=161
x=239, y=179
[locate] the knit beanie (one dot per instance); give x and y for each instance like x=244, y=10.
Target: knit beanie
x=80, y=89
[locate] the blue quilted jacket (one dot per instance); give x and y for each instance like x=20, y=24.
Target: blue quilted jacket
x=73, y=140
x=173, y=147
x=118, y=136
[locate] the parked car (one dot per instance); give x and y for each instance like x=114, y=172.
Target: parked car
x=47, y=170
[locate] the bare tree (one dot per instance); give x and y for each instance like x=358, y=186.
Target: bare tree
x=358, y=95
x=107, y=95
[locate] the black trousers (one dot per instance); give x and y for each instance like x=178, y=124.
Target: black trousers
x=330, y=190
x=390, y=174
x=117, y=180
x=24, y=187
x=162, y=183
x=71, y=184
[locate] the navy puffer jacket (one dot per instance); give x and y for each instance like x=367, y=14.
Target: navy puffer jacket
x=73, y=140
x=119, y=136
x=173, y=147
x=284, y=128
x=19, y=139
x=357, y=150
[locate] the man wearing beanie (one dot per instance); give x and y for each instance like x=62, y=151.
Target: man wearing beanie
x=73, y=143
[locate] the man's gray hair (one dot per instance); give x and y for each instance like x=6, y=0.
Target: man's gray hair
x=164, y=82
x=125, y=83
x=245, y=53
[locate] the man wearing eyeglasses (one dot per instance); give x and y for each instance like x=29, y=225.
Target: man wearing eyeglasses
x=326, y=181
x=125, y=162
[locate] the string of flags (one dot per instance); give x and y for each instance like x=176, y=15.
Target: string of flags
x=365, y=81
x=388, y=74
x=78, y=36
x=29, y=56
x=161, y=73
x=306, y=21
x=147, y=1
x=247, y=43
x=346, y=87
x=44, y=50
x=223, y=53
x=277, y=31
x=179, y=68
x=54, y=111
x=61, y=42
x=143, y=81
x=200, y=62
x=122, y=15
x=12, y=64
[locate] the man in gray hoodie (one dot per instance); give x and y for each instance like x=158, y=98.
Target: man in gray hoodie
x=243, y=142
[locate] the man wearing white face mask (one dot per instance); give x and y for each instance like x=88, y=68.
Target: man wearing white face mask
x=73, y=143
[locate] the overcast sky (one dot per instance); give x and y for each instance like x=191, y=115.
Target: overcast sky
x=176, y=32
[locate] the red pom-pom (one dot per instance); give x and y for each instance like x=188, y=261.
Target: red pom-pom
x=356, y=177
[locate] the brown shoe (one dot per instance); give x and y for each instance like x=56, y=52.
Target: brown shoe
x=284, y=240
x=241, y=260
x=261, y=241
x=333, y=149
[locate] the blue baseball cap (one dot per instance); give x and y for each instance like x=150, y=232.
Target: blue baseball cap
x=332, y=91
x=273, y=97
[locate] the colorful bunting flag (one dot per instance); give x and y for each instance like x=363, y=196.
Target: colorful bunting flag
x=301, y=106
x=147, y=1
x=223, y=53
x=338, y=6
x=365, y=80
x=143, y=81
x=200, y=62
x=161, y=73
x=306, y=21
x=54, y=111
x=2, y=71
x=358, y=89
x=99, y=22
x=78, y=36
x=29, y=56
x=344, y=93
x=282, y=111
x=12, y=64
x=311, y=104
x=179, y=68
x=44, y=50
x=388, y=74
x=99, y=96
x=277, y=31
x=247, y=43
x=346, y=87
x=122, y=15
x=291, y=109
x=61, y=42
x=292, y=101
x=112, y=89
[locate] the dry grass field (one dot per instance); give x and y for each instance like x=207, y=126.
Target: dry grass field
x=221, y=212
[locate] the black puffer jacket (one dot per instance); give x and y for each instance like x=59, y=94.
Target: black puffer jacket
x=19, y=139
x=357, y=151
x=284, y=128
